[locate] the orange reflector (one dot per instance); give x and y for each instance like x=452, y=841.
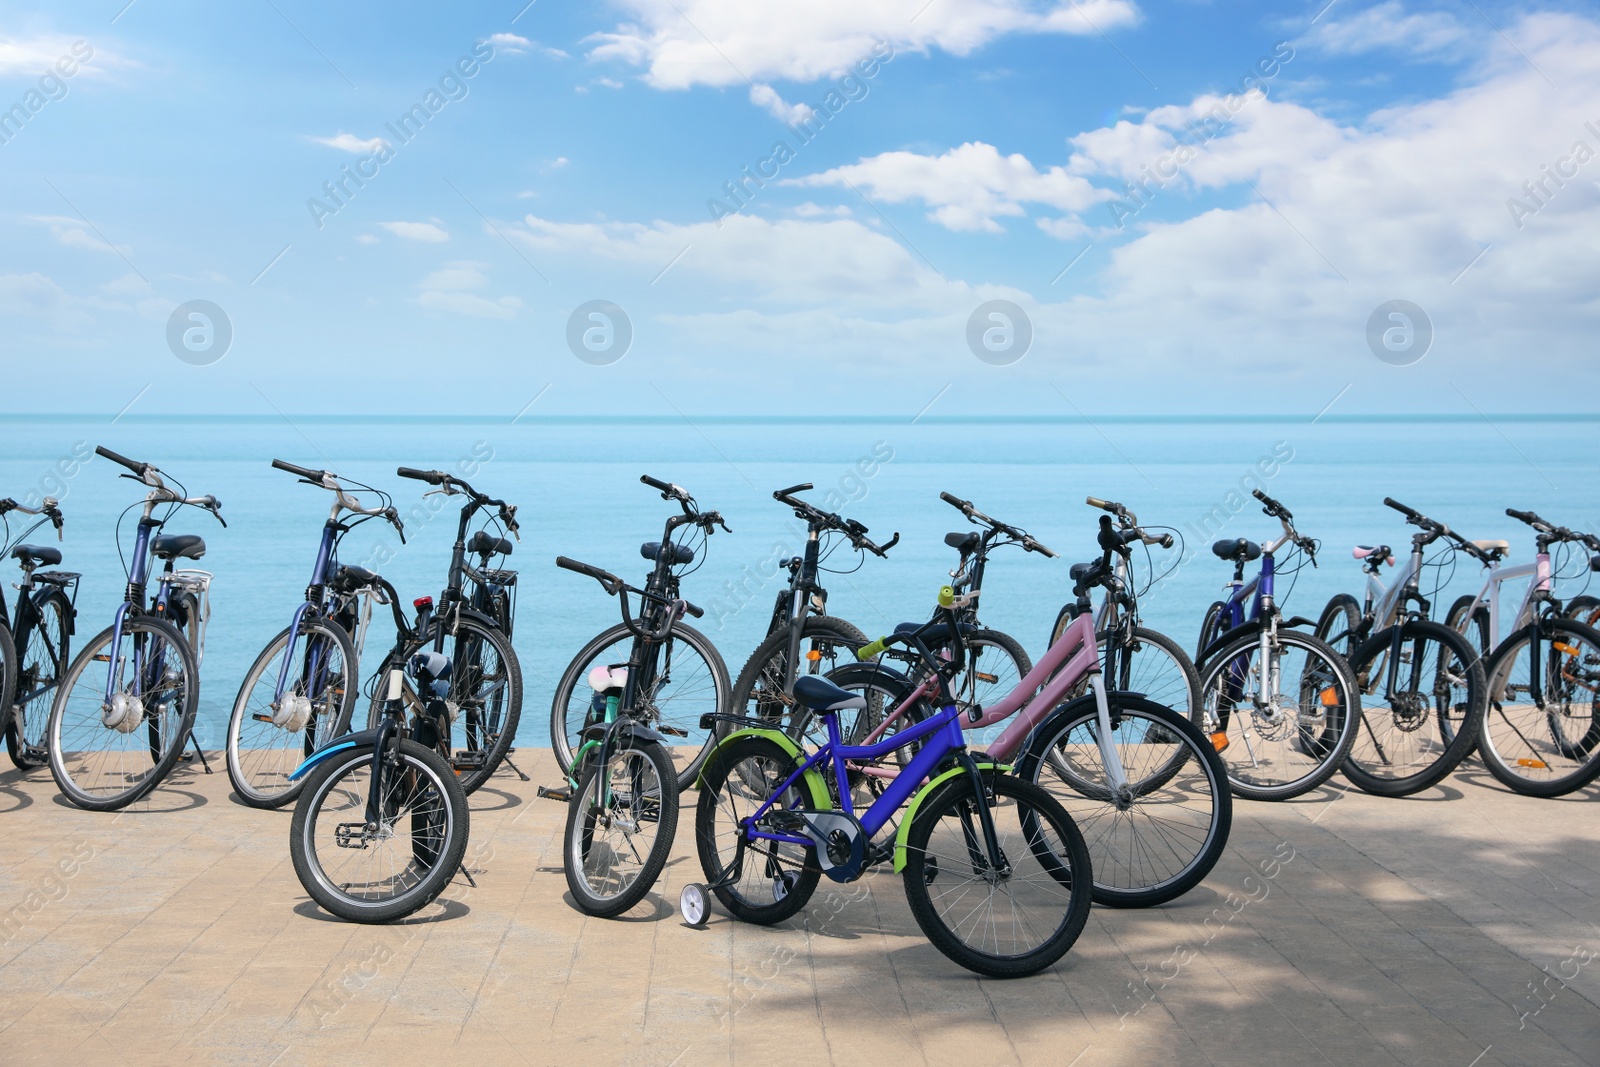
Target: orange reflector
x=1560, y=646
x=814, y=655
x=990, y=678
x=1220, y=742
x=1330, y=697
x=1537, y=764
x=102, y=658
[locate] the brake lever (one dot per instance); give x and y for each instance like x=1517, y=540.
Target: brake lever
x=393, y=516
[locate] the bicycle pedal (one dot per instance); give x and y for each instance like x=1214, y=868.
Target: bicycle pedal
x=984, y=676
x=787, y=821
x=560, y=793
x=469, y=761
x=673, y=731
x=1220, y=742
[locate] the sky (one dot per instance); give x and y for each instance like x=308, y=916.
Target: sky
x=877, y=207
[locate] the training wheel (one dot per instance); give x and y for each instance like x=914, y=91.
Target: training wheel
x=692, y=904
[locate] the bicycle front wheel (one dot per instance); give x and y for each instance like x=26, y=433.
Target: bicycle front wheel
x=42, y=664
x=996, y=663
x=1006, y=915
x=1282, y=712
x=1154, y=838
x=119, y=724
x=690, y=680
x=1541, y=731
x=620, y=826
x=1422, y=701
x=1150, y=664
x=378, y=872
x=269, y=736
x=826, y=643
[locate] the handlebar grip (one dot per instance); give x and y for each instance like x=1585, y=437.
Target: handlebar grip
x=1401, y=508
x=955, y=501
x=297, y=470
x=655, y=483
x=873, y=649
x=793, y=489
x=1103, y=505
x=137, y=468
x=596, y=573
x=1525, y=516
x=697, y=612
x=431, y=477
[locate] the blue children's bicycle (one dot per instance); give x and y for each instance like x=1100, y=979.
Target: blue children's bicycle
x=996, y=872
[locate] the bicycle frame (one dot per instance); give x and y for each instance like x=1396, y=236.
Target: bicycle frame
x=1539, y=589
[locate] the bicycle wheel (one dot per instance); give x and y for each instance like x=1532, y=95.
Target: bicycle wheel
x=887, y=713
x=1472, y=622
x=690, y=681
x=996, y=664
x=1584, y=609
x=772, y=879
x=826, y=643
x=39, y=670
x=1283, y=726
x=1007, y=921
x=1411, y=734
x=484, y=700
x=374, y=874
x=620, y=826
x=1211, y=628
x=1541, y=731
x=105, y=753
x=8, y=677
x=267, y=737
x=1339, y=622
x=1154, y=666
x=1157, y=837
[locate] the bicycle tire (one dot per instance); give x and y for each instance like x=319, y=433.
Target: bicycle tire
x=789, y=873
x=1517, y=744
x=1062, y=751
x=758, y=692
x=1338, y=623
x=262, y=755
x=485, y=703
x=38, y=671
x=1047, y=835
x=1166, y=676
x=1229, y=667
x=704, y=689
x=8, y=682
x=169, y=734
x=1584, y=609
x=1007, y=662
x=1393, y=735
x=439, y=825
x=578, y=845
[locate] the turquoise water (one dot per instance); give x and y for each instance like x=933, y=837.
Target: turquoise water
x=576, y=482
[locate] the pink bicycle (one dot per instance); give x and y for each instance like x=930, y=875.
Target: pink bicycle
x=1141, y=781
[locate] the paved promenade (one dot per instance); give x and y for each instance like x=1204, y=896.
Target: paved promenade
x=1457, y=928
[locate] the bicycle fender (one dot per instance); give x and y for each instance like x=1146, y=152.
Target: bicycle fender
x=1227, y=637
x=923, y=794
x=813, y=779
x=343, y=744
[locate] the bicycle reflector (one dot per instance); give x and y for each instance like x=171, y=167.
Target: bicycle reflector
x=422, y=603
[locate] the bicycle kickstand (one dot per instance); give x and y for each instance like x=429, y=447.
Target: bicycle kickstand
x=204, y=763
x=468, y=875
x=506, y=759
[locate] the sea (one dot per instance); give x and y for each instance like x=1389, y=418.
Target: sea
x=576, y=484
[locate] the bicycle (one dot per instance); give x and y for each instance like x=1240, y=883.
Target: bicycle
x=1146, y=787
x=35, y=638
x=1287, y=697
x=113, y=738
x=1422, y=683
x=382, y=821
x=1541, y=729
x=622, y=787
x=1150, y=662
x=677, y=673
x=765, y=686
x=300, y=691
x=996, y=873
x=485, y=695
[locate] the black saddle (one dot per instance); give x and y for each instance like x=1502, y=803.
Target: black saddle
x=178, y=546
x=964, y=543
x=1237, y=550
x=483, y=544
x=819, y=694
x=37, y=554
x=936, y=635
x=351, y=577
x=680, y=553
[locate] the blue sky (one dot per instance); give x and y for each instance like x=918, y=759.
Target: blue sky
x=1380, y=155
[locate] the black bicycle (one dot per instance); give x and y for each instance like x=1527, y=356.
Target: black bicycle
x=676, y=673
x=382, y=822
x=473, y=627
x=802, y=637
x=35, y=637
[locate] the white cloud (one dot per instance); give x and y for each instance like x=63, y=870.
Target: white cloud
x=609, y=83
x=808, y=210
x=682, y=43
x=31, y=295
x=417, y=231
x=349, y=142
x=510, y=43
x=366, y=239
x=32, y=56
x=968, y=187
x=1388, y=26
x=75, y=233
x=127, y=285
x=765, y=96
x=452, y=288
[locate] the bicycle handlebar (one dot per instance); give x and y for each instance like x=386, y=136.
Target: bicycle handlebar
x=431, y=477
x=827, y=520
x=972, y=514
x=300, y=472
x=134, y=466
x=1410, y=513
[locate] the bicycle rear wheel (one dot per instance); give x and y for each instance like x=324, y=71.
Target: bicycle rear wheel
x=1541, y=731
x=108, y=751
x=1007, y=921
x=8, y=681
x=826, y=644
x=620, y=826
x=1155, y=839
x=39, y=669
x=267, y=737
x=379, y=873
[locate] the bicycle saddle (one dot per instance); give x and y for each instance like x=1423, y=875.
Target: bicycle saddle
x=965, y=543
x=350, y=578
x=482, y=544
x=819, y=694
x=1236, y=550
x=680, y=553
x=1363, y=551
x=41, y=554
x=936, y=635
x=178, y=546
x=1494, y=549
x=1079, y=571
